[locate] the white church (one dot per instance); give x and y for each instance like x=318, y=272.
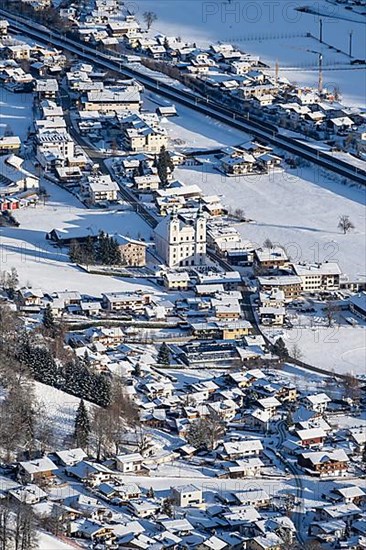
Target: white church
x=180, y=240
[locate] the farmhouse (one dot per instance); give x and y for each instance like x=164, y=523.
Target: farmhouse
x=327, y=463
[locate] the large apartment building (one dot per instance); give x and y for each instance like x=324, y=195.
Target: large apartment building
x=318, y=276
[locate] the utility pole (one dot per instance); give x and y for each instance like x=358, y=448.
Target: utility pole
x=276, y=72
x=321, y=31
x=350, y=43
x=320, y=82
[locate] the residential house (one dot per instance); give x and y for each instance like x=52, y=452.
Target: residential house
x=317, y=402
x=14, y=177
x=28, y=494
x=291, y=285
x=35, y=471
x=146, y=183
x=70, y=457
x=245, y=467
x=270, y=259
x=143, y=133
x=129, y=463
x=89, y=472
x=350, y=494
x=325, y=463
x=10, y=144
x=177, y=280
x=100, y=188
x=357, y=305
x=30, y=297
x=311, y=437
x=236, y=450
x=272, y=306
x=125, y=301
x=47, y=88
x=186, y=495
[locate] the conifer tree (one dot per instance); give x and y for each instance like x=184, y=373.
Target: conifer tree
x=48, y=318
x=82, y=426
x=167, y=507
x=164, y=355
x=164, y=165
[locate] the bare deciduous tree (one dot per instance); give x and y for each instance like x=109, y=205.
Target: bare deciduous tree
x=205, y=433
x=352, y=388
x=345, y=224
x=330, y=311
x=296, y=352
x=149, y=17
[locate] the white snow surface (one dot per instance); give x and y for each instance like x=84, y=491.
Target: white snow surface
x=299, y=211
x=42, y=265
x=15, y=112
x=48, y=542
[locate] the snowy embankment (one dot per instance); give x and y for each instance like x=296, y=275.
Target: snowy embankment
x=48, y=542
x=60, y=408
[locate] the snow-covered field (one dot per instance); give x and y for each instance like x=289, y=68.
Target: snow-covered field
x=274, y=30
x=42, y=265
x=15, y=112
x=341, y=349
x=299, y=212
x=191, y=130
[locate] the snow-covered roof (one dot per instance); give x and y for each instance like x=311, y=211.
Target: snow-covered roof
x=38, y=465
x=359, y=301
x=318, y=398
x=271, y=254
x=311, y=433
x=269, y=402
x=71, y=456
x=190, y=488
x=352, y=491
x=326, y=268
x=336, y=455
x=132, y=457
x=242, y=447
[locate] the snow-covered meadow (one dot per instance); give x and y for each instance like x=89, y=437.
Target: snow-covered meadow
x=298, y=210
x=193, y=131
x=15, y=113
x=42, y=265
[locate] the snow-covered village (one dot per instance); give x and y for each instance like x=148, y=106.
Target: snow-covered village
x=182, y=275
